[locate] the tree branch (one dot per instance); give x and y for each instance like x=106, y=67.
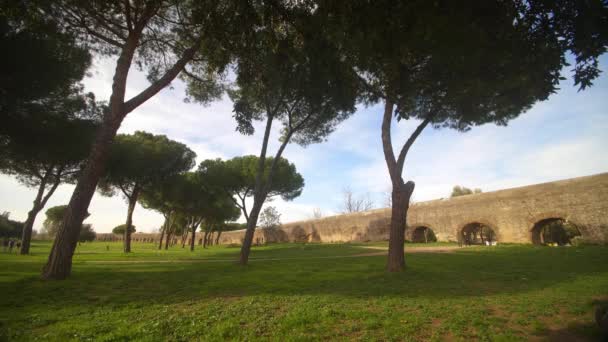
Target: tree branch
x=162, y=82
x=387, y=145
x=410, y=142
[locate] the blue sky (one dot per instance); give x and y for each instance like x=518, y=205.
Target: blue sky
x=563, y=137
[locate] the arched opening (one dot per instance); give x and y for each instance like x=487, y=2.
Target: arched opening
x=554, y=232
x=478, y=234
x=423, y=234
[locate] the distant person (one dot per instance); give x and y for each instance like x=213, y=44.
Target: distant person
x=18, y=244
x=11, y=244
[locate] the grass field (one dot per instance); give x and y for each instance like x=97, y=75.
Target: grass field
x=301, y=292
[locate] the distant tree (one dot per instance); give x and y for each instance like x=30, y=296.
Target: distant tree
x=237, y=177
x=54, y=217
x=120, y=229
x=141, y=160
x=186, y=200
x=270, y=218
x=317, y=213
x=354, y=204
x=87, y=234
x=8, y=227
x=458, y=65
x=461, y=191
x=166, y=39
x=54, y=156
x=287, y=72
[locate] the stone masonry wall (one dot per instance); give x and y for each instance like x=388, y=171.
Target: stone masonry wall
x=511, y=213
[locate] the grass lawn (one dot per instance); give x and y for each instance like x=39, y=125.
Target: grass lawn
x=300, y=292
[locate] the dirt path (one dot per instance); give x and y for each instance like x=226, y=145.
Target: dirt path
x=380, y=251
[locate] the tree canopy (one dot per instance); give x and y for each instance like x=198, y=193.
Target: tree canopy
x=120, y=229
x=54, y=216
x=41, y=68
x=138, y=161
x=461, y=191
x=460, y=64
x=237, y=176
x=165, y=38
x=10, y=228
x=186, y=201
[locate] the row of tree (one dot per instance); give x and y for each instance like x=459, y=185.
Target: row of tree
x=305, y=65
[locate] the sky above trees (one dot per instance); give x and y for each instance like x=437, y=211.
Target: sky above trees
x=560, y=138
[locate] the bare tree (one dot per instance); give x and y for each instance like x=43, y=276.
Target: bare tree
x=353, y=204
x=388, y=198
x=317, y=213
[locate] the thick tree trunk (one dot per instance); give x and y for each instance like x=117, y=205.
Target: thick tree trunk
x=129, y=223
x=251, y=224
x=401, y=198
x=59, y=265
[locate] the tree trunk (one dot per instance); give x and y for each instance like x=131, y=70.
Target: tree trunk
x=162, y=235
x=400, y=198
x=205, y=238
x=26, y=236
x=184, y=238
x=217, y=238
x=192, y=238
x=402, y=192
x=59, y=264
x=39, y=203
x=251, y=224
x=167, y=240
x=129, y=224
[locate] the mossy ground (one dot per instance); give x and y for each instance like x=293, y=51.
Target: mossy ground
x=301, y=292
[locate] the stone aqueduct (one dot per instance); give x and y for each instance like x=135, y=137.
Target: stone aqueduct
x=511, y=213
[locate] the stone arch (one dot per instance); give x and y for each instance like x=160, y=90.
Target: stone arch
x=554, y=229
x=478, y=233
x=422, y=234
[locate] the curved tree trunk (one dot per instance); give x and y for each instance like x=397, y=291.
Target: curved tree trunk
x=251, y=224
x=39, y=203
x=402, y=192
x=59, y=265
x=26, y=236
x=129, y=223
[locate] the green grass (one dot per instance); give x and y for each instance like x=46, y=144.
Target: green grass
x=299, y=292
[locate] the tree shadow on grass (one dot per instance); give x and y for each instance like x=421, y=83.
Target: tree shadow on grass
x=471, y=273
